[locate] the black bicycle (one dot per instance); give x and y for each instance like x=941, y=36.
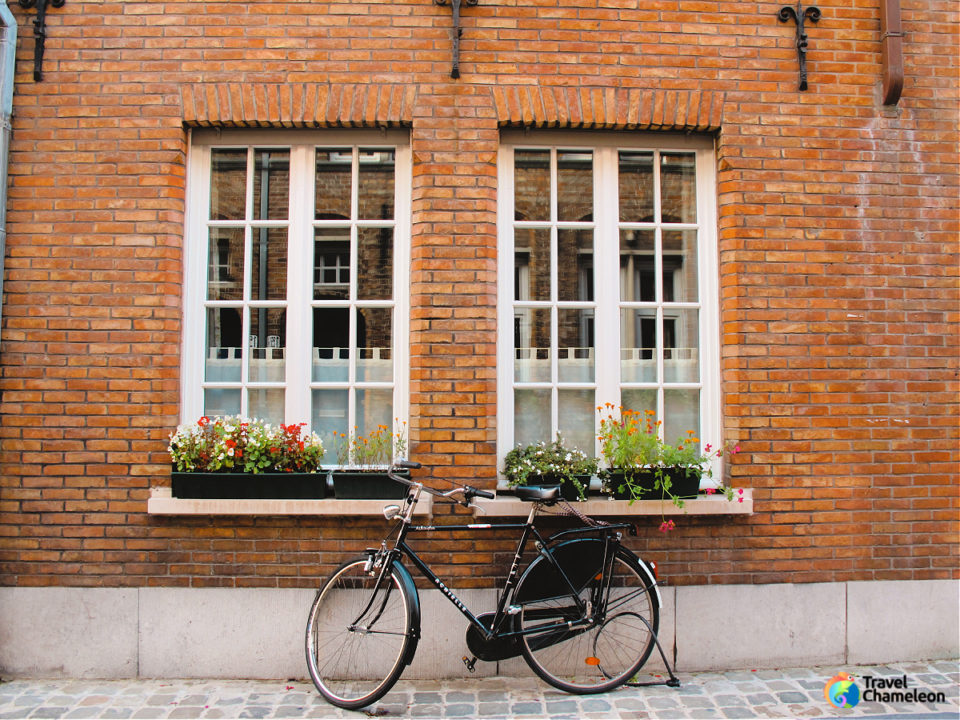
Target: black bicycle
x=584, y=613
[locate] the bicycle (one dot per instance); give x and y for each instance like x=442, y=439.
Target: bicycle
x=584, y=613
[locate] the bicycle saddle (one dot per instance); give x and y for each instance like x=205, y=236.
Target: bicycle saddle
x=537, y=493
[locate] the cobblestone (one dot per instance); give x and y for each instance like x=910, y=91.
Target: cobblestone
x=787, y=693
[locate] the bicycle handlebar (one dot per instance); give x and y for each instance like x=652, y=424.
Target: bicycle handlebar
x=469, y=492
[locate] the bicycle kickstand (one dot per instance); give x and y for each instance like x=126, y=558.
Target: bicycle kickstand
x=471, y=663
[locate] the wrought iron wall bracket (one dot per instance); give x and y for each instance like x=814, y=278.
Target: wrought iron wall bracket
x=40, y=31
x=798, y=14
x=457, y=32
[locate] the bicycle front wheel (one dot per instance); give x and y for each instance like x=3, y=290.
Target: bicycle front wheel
x=358, y=633
x=601, y=655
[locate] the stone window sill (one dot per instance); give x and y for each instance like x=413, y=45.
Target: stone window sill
x=508, y=506
x=162, y=502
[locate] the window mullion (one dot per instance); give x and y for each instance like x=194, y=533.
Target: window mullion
x=299, y=285
x=607, y=270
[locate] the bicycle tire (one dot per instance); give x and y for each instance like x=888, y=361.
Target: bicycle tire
x=601, y=656
x=354, y=667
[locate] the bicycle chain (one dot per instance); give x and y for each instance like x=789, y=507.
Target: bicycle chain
x=570, y=511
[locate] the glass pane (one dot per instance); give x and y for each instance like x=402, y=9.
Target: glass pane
x=531, y=177
x=638, y=280
x=681, y=346
x=374, y=345
x=531, y=273
x=266, y=404
x=331, y=263
x=575, y=351
x=374, y=263
x=680, y=266
x=224, y=345
x=576, y=412
x=636, y=187
x=531, y=416
x=532, y=345
x=638, y=345
x=374, y=409
x=220, y=401
x=575, y=265
x=575, y=186
x=228, y=183
x=678, y=187
x=376, y=185
x=268, y=264
x=271, y=184
x=328, y=418
x=640, y=401
x=333, y=183
x=331, y=345
x=681, y=409
x=225, y=264
x=268, y=340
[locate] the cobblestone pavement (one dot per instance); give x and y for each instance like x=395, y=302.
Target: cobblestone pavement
x=785, y=693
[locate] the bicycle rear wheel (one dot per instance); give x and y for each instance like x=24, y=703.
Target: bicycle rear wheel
x=358, y=633
x=604, y=654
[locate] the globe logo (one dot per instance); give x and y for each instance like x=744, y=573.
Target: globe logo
x=841, y=691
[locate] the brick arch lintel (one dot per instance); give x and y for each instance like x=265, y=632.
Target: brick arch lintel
x=393, y=105
x=608, y=108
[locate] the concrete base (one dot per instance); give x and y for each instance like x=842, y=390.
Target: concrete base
x=258, y=633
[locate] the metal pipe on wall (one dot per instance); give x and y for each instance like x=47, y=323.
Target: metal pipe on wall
x=891, y=49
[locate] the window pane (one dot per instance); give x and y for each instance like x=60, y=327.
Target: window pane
x=328, y=418
x=636, y=187
x=638, y=345
x=331, y=344
x=640, y=401
x=374, y=408
x=532, y=184
x=681, y=351
x=266, y=404
x=637, y=266
x=575, y=186
x=228, y=182
x=219, y=401
x=331, y=263
x=680, y=266
x=224, y=344
x=271, y=184
x=333, y=184
x=575, y=352
x=531, y=264
x=681, y=410
x=376, y=185
x=576, y=411
x=374, y=263
x=575, y=265
x=225, y=264
x=268, y=264
x=678, y=188
x=531, y=416
x=532, y=345
x=268, y=338
x=374, y=345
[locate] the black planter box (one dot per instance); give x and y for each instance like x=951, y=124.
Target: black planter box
x=249, y=486
x=684, y=484
x=359, y=485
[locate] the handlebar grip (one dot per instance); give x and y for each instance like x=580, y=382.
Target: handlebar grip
x=407, y=464
x=471, y=492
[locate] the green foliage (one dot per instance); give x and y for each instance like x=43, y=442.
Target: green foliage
x=378, y=449
x=548, y=462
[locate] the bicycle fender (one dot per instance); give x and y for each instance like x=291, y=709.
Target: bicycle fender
x=648, y=571
x=582, y=558
x=410, y=587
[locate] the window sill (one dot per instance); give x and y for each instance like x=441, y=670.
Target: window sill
x=162, y=502
x=508, y=506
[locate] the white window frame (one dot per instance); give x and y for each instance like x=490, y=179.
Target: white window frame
x=299, y=303
x=605, y=148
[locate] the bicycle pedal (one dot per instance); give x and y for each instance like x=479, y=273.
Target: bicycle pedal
x=471, y=663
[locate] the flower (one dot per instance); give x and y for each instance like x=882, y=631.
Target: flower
x=235, y=444
x=548, y=463
x=375, y=450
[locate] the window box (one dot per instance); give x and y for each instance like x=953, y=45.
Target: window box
x=249, y=486
x=367, y=485
x=684, y=484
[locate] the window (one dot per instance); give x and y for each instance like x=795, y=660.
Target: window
x=296, y=285
x=608, y=284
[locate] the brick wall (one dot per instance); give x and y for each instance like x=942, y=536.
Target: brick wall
x=838, y=240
